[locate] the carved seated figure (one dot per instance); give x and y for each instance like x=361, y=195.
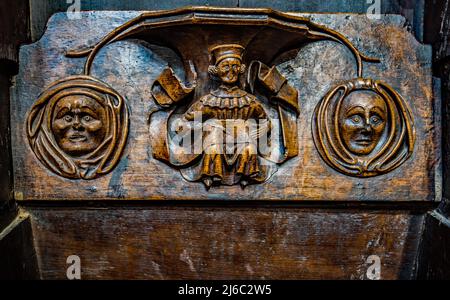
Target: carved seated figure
x=235, y=140
x=234, y=121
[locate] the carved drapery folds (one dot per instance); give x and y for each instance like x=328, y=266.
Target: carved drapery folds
x=281, y=93
x=233, y=119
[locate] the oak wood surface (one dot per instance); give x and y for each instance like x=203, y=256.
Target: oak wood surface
x=433, y=254
x=18, y=258
x=167, y=242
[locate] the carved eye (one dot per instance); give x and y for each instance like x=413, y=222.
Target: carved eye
x=87, y=118
x=356, y=119
x=68, y=118
x=375, y=119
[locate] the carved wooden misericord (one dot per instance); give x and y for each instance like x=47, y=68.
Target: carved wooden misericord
x=76, y=131
x=233, y=117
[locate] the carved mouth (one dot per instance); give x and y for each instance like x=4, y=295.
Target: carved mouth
x=77, y=138
x=364, y=142
x=231, y=77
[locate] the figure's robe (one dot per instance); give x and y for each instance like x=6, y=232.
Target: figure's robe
x=233, y=121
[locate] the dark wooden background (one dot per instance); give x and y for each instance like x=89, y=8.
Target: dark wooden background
x=220, y=239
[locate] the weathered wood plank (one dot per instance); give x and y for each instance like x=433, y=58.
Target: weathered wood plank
x=434, y=255
x=14, y=29
x=17, y=256
x=41, y=10
x=343, y=6
x=413, y=11
x=225, y=243
x=6, y=183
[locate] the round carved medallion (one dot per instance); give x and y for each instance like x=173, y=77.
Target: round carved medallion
x=78, y=127
x=363, y=128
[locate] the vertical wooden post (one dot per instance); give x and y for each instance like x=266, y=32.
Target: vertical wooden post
x=14, y=30
x=17, y=256
x=433, y=259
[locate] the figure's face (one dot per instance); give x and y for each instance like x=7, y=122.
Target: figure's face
x=228, y=70
x=78, y=124
x=362, y=120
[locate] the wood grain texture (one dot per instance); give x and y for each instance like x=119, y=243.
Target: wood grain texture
x=218, y=243
x=41, y=10
x=437, y=29
x=14, y=29
x=224, y=243
x=434, y=254
x=17, y=255
x=444, y=69
x=6, y=183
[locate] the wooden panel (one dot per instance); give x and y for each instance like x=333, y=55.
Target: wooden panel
x=434, y=254
x=131, y=68
x=344, y=6
x=5, y=143
x=17, y=256
x=186, y=242
x=413, y=11
x=14, y=29
x=444, y=69
x=41, y=10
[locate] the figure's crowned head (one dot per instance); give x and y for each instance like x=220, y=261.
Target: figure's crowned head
x=226, y=62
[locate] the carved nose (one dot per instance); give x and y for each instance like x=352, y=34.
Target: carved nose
x=367, y=127
x=76, y=123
